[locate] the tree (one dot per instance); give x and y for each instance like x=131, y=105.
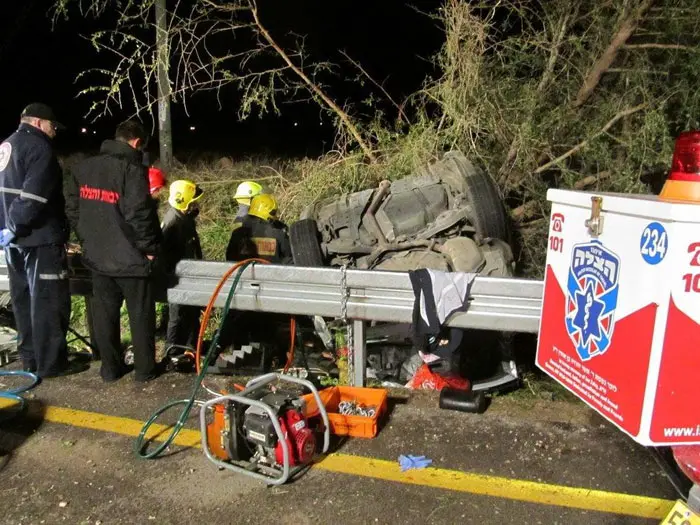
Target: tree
x=165, y=134
x=201, y=58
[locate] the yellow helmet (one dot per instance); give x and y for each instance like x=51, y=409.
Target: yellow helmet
x=263, y=206
x=246, y=191
x=183, y=193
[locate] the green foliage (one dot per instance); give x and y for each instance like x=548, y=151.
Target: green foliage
x=78, y=318
x=520, y=93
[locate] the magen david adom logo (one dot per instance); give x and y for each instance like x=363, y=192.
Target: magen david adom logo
x=592, y=289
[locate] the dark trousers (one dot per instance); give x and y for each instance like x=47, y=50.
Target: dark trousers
x=92, y=334
x=183, y=325
x=41, y=304
x=108, y=293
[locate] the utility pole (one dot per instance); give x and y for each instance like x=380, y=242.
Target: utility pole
x=165, y=134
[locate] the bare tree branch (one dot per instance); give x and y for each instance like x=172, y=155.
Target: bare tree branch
x=584, y=143
x=525, y=211
x=661, y=46
x=627, y=28
x=402, y=115
x=533, y=208
x=197, y=60
x=590, y=180
x=645, y=71
x=344, y=117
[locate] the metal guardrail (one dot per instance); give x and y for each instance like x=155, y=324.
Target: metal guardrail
x=501, y=304
x=495, y=303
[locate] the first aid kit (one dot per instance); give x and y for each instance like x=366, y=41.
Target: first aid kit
x=620, y=325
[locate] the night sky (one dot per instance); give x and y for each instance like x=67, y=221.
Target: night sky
x=391, y=40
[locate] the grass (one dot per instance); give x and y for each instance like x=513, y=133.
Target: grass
x=539, y=386
x=296, y=184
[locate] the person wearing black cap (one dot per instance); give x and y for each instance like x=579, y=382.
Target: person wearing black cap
x=117, y=224
x=34, y=233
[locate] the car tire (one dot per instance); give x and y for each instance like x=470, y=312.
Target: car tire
x=464, y=254
x=488, y=215
x=303, y=238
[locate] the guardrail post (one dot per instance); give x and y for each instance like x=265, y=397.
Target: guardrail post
x=359, y=355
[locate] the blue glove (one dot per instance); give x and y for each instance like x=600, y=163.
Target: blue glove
x=6, y=237
x=410, y=462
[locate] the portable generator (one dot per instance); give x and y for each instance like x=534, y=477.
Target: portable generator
x=262, y=431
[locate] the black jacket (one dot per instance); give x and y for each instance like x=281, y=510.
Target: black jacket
x=180, y=240
x=31, y=189
x=113, y=215
x=255, y=237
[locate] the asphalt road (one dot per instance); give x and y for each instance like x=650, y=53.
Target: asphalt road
x=65, y=473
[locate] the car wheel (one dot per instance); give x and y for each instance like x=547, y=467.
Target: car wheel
x=464, y=254
x=488, y=215
x=303, y=238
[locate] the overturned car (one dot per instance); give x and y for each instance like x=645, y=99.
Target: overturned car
x=448, y=216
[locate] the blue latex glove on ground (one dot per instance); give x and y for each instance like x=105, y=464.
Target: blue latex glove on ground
x=6, y=237
x=410, y=462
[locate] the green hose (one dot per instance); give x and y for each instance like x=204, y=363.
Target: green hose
x=140, y=445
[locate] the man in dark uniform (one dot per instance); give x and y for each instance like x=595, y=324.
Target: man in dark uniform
x=259, y=234
x=32, y=215
x=117, y=224
x=181, y=241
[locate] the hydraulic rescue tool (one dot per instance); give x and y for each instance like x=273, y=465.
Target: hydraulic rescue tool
x=262, y=431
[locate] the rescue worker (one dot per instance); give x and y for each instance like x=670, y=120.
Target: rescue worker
x=118, y=227
x=181, y=241
x=260, y=234
x=34, y=233
x=244, y=193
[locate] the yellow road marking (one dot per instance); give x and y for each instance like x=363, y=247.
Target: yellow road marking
x=514, y=489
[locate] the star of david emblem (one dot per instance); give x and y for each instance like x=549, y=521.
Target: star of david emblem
x=588, y=310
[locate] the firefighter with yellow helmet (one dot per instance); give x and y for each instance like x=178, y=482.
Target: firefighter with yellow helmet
x=245, y=192
x=260, y=234
x=181, y=241
x=257, y=235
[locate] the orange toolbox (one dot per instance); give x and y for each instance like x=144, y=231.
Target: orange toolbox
x=350, y=425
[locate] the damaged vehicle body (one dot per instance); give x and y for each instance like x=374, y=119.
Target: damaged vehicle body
x=448, y=216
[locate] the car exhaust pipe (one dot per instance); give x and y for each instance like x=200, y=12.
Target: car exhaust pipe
x=369, y=220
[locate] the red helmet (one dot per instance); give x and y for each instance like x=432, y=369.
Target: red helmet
x=156, y=179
